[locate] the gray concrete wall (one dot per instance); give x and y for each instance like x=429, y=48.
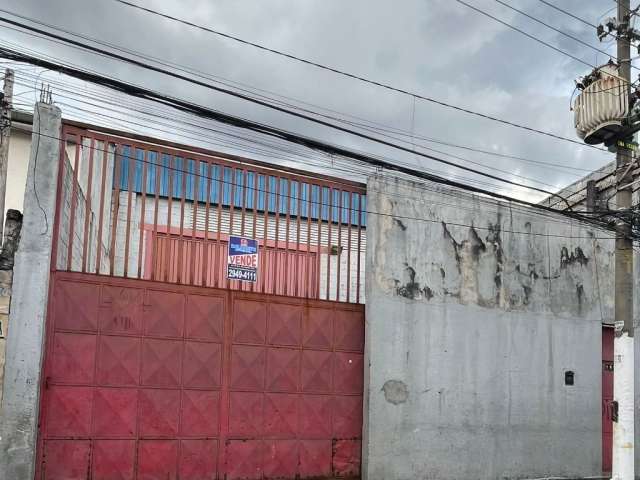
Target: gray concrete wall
x=475, y=310
x=29, y=302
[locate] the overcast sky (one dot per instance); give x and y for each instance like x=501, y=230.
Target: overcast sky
x=438, y=48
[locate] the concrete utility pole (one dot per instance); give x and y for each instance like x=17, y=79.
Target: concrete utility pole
x=5, y=134
x=623, y=383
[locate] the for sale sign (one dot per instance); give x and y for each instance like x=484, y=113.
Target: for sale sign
x=242, y=262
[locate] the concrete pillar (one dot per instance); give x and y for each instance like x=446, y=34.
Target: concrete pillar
x=25, y=342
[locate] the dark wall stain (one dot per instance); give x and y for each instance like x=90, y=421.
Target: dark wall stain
x=428, y=293
x=527, y=294
x=454, y=243
x=399, y=223
x=474, y=247
x=442, y=273
x=494, y=237
x=477, y=245
x=531, y=272
x=412, y=289
x=451, y=294
x=12, y=228
x=580, y=295
x=571, y=258
x=527, y=280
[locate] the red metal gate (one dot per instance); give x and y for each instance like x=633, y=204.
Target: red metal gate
x=154, y=380
x=156, y=366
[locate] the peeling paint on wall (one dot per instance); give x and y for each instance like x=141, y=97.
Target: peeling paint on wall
x=411, y=289
x=486, y=263
x=399, y=223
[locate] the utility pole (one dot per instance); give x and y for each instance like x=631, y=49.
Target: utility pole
x=623, y=383
x=5, y=134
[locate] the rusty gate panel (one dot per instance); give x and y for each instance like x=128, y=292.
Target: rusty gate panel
x=154, y=380
x=133, y=209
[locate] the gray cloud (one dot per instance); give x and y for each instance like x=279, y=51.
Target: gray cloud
x=438, y=48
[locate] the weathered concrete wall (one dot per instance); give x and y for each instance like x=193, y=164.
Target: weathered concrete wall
x=29, y=302
x=475, y=310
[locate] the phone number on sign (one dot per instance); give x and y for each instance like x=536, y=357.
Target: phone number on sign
x=245, y=274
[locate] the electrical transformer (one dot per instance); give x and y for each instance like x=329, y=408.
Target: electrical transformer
x=602, y=106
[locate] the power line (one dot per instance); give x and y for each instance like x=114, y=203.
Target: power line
x=265, y=104
x=555, y=7
x=377, y=127
x=349, y=171
x=278, y=133
x=557, y=30
x=320, y=202
x=263, y=153
x=280, y=157
x=235, y=145
x=112, y=103
x=167, y=116
x=354, y=76
x=448, y=154
x=528, y=35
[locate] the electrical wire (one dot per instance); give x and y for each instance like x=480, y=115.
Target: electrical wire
x=512, y=207
x=383, y=129
x=528, y=35
x=568, y=13
x=421, y=146
x=321, y=202
x=352, y=75
x=202, y=111
x=188, y=107
x=166, y=115
x=146, y=124
x=271, y=106
x=372, y=126
x=557, y=30
x=477, y=163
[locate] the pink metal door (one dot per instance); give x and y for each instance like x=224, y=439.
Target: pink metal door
x=150, y=380
x=171, y=258
x=607, y=398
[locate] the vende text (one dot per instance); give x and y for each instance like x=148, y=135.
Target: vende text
x=244, y=260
